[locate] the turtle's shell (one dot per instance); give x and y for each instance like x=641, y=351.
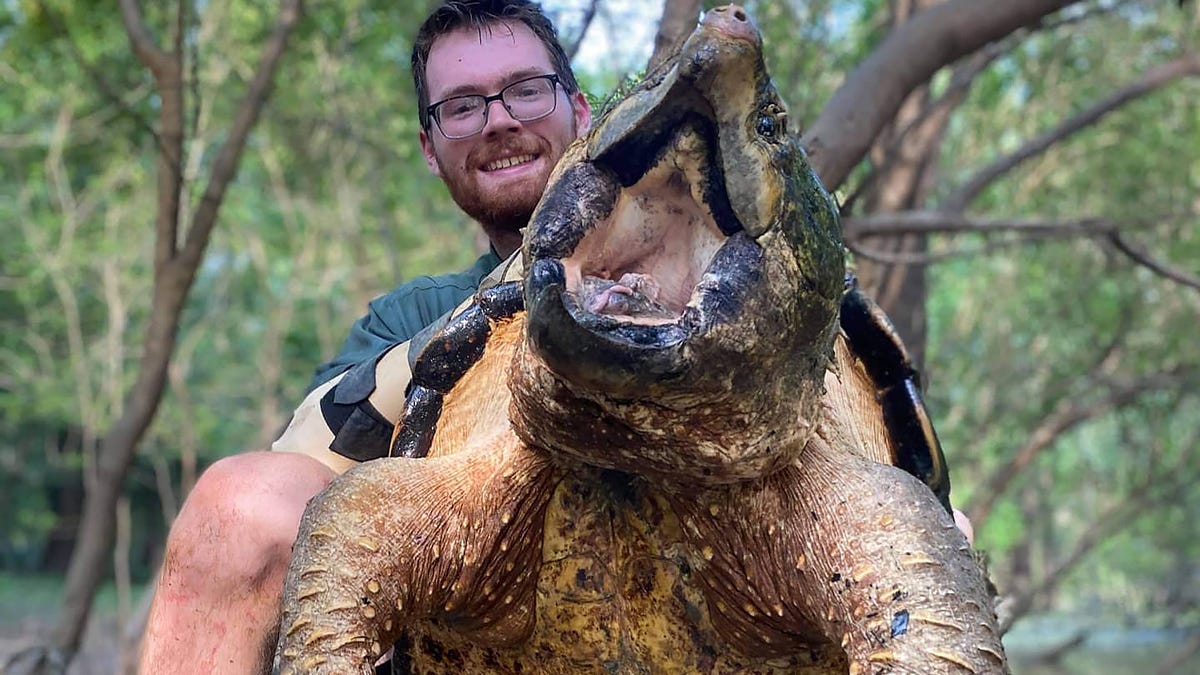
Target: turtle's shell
x=880, y=389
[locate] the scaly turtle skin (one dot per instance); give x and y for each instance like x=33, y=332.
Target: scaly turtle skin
x=691, y=468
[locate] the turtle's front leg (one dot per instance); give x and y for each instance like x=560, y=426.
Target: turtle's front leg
x=456, y=538
x=846, y=551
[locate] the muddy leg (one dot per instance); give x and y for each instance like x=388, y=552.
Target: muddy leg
x=847, y=552
x=400, y=540
x=900, y=589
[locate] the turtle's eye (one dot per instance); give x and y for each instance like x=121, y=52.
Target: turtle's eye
x=766, y=127
x=772, y=122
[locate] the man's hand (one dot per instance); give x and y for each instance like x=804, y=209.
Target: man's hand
x=964, y=524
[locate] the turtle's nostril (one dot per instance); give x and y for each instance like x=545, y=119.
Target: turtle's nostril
x=739, y=15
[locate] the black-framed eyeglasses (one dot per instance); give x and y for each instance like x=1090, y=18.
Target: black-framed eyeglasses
x=525, y=100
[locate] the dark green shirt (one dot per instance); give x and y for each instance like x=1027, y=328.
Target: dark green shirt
x=397, y=316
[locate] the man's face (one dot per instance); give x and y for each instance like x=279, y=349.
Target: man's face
x=467, y=61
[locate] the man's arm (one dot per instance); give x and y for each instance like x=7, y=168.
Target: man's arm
x=349, y=418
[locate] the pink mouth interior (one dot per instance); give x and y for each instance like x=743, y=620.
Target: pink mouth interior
x=654, y=247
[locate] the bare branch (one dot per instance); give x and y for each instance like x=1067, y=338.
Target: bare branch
x=1142, y=499
x=937, y=222
x=1153, y=264
x=181, y=12
x=901, y=258
x=678, y=19
x=911, y=54
x=588, y=16
x=961, y=79
x=1149, y=82
x=147, y=51
x=106, y=90
x=859, y=228
x=1067, y=415
x=934, y=114
x=226, y=162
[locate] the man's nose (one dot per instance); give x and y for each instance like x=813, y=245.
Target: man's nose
x=499, y=120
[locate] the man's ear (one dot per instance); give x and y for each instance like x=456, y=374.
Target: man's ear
x=430, y=158
x=583, y=113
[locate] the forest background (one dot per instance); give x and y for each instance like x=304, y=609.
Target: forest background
x=1026, y=207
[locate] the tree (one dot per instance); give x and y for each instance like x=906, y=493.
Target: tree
x=179, y=251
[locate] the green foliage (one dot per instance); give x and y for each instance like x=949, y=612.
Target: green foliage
x=1044, y=325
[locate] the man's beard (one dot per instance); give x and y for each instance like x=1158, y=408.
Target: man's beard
x=506, y=210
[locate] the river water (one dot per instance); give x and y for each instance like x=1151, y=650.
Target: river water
x=1106, y=649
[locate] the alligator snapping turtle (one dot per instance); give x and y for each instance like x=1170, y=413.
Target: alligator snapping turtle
x=690, y=468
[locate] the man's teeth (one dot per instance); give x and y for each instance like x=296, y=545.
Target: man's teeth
x=507, y=162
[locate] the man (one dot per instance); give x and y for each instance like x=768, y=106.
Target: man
x=499, y=106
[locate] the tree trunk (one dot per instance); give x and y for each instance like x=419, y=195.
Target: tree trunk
x=876, y=89
x=174, y=271
x=678, y=19
x=903, y=154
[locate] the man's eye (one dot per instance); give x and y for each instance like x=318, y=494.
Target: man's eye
x=531, y=91
x=463, y=108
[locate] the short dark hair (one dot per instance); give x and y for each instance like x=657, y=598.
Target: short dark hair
x=481, y=14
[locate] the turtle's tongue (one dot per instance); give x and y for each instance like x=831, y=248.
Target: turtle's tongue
x=634, y=298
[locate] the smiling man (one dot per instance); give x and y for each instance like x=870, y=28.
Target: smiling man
x=499, y=106
x=496, y=166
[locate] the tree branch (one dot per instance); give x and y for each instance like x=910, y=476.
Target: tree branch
x=1149, y=82
x=934, y=114
x=939, y=222
x=1153, y=264
x=225, y=166
x=961, y=79
x=910, y=55
x=1067, y=415
x=678, y=19
x=1142, y=499
x=147, y=51
x=901, y=258
x=106, y=90
x=858, y=228
x=588, y=16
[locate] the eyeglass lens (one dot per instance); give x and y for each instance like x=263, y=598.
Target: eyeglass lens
x=525, y=101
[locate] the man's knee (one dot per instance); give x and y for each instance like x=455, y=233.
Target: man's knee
x=242, y=516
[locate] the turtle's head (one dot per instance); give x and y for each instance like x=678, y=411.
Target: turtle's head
x=684, y=274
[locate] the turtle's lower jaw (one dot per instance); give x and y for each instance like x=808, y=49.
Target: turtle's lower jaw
x=622, y=354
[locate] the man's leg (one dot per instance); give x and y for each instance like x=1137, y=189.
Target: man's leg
x=216, y=608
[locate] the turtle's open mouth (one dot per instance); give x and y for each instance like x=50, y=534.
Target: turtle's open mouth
x=639, y=249
x=642, y=264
